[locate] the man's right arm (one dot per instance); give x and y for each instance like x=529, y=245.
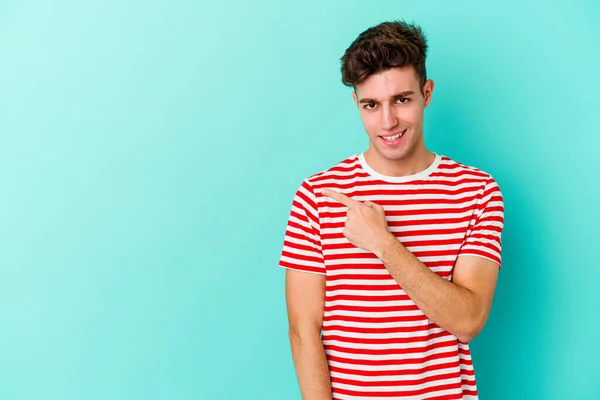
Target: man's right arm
x=305, y=298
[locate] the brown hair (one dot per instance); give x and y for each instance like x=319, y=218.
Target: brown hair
x=382, y=47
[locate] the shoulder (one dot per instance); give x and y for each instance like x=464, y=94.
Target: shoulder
x=306, y=194
x=474, y=180
x=345, y=169
x=450, y=167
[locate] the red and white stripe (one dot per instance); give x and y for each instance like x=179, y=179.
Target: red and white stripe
x=379, y=344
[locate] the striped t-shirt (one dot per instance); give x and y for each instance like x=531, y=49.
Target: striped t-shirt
x=378, y=343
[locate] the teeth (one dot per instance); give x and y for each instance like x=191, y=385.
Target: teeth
x=392, y=138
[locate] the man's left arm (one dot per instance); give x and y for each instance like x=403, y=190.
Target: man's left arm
x=460, y=306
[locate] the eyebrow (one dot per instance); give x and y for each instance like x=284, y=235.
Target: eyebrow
x=396, y=96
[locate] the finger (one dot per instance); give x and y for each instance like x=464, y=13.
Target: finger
x=340, y=197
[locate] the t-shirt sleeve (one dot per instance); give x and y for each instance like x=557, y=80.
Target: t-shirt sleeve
x=485, y=230
x=302, y=241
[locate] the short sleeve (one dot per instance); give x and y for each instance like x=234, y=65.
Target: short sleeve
x=485, y=230
x=302, y=241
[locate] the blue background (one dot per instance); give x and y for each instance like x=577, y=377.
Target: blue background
x=150, y=150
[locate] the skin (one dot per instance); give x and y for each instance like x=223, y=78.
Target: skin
x=305, y=296
x=389, y=102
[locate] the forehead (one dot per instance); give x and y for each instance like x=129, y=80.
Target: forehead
x=388, y=83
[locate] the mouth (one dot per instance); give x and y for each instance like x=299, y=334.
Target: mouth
x=393, y=139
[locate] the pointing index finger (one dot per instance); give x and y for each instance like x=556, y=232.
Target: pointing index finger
x=340, y=197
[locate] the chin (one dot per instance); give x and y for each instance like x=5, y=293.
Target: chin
x=395, y=157
x=393, y=154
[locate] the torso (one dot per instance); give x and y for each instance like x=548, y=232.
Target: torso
x=379, y=344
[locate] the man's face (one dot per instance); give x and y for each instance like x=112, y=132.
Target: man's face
x=391, y=108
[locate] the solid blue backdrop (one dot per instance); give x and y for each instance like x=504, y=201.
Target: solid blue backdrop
x=150, y=151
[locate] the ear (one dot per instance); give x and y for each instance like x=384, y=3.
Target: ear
x=355, y=97
x=428, y=91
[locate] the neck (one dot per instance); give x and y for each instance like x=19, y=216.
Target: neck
x=411, y=164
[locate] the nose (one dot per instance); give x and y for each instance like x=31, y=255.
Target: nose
x=388, y=117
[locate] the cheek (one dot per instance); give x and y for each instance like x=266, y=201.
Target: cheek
x=370, y=121
x=410, y=115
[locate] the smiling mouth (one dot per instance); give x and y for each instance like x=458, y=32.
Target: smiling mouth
x=394, y=137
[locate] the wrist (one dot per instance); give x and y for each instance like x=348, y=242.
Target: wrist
x=387, y=243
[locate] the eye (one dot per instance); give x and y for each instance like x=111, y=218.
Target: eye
x=370, y=106
x=403, y=100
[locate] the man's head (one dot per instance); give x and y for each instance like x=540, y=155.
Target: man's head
x=386, y=67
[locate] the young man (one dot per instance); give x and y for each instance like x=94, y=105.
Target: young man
x=392, y=255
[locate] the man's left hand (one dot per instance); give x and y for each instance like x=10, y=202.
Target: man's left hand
x=366, y=226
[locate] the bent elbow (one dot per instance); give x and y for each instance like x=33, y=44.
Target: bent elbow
x=466, y=337
x=470, y=330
